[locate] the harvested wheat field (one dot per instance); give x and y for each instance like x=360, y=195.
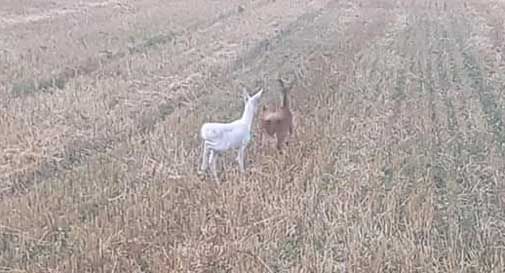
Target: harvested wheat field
x=397, y=162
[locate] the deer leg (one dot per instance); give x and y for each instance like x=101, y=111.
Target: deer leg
x=290, y=130
x=205, y=157
x=240, y=158
x=260, y=141
x=212, y=161
x=262, y=137
x=278, y=145
x=281, y=136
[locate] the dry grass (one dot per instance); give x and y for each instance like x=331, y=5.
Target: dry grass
x=397, y=163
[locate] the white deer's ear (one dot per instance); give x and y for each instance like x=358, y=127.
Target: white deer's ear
x=258, y=95
x=245, y=95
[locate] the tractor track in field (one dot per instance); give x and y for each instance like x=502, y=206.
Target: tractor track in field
x=455, y=151
x=76, y=153
x=446, y=190
x=437, y=173
x=418, y=77
x=485, y=91
x=447, y=159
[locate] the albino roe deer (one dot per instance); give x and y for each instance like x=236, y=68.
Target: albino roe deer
x=279, y=122
x=220, y=137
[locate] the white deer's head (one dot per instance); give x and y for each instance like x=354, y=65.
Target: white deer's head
x=252, y=102
x=251, y=105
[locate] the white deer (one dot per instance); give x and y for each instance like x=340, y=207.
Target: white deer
x=220, y=137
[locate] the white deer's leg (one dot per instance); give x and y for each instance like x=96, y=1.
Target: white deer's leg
x=212, y=161
x=240, y=158
x=205, y=157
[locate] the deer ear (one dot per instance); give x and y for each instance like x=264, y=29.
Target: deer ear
x=281, y=82
x=258, y=94
x=245, y=95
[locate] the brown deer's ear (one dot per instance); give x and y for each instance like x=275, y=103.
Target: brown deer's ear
x=281, y=82
x=286, y=87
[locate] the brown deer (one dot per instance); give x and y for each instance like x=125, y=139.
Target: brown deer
x=278, y=122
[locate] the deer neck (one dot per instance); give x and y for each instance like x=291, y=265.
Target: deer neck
x=248, y=115
x=284, y=98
